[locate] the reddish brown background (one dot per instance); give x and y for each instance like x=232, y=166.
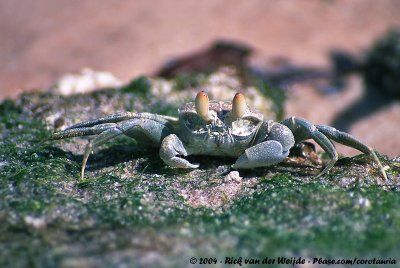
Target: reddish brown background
x=43, y=39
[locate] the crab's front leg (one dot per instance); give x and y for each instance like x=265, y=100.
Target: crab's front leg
x=272, y=145
x=171, y=151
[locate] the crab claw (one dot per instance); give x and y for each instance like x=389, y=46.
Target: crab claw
x=238, y=106
x=201, y=104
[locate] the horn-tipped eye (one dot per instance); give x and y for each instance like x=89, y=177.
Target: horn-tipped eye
x=201, y=104
x=238, y=106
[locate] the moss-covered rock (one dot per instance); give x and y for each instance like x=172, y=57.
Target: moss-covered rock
x=132, y=210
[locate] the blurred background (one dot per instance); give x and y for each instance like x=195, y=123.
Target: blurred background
x=44, y=39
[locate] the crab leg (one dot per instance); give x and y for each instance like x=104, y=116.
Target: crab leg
x=118, y=117
x=142, y=129
x=100, y=139
x=302, y=130
x=82, y=131
x=96, y=126
x=348, y=140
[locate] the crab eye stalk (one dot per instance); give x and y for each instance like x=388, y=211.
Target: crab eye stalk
x=238, y=106
x=201, y=104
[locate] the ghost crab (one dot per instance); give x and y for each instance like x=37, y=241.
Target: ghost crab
x=217, y=128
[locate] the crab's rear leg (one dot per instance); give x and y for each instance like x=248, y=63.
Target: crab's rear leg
x=123, y=116
x=82, y=131
x=97, y=141
x=152, y=131
x=348, y=140
x=303, y=129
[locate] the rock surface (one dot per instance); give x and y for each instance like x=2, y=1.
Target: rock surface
x=132, y=210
